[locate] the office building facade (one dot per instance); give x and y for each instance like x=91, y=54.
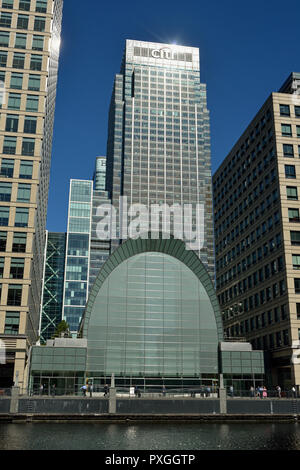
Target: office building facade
x=158, y=148
x=256, y=213
x=52, y=299
x=29, y=52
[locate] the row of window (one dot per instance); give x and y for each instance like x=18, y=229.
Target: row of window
x=25, y=5
x=21, y=216
x=23, y=194
x=18, y=62
x=23, y=22
x=264, y=273
x=17, y=82
x=7, y=169
x=240, y=186
x=14, y=102
x=266, y=342
x=259, y=298
x=10, y=146
x=285, y=110
x=289, y=149
x=20, y=41
x=12, y=124
x=16, y=268
x=18, y=243
x=220, y=181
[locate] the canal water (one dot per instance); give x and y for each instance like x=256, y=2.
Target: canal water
x=180, y=436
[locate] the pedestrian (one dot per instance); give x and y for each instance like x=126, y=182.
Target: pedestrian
x=137, y=392
x=105, y=390
x=208, y=390
x=164, y=391
x=90, y=389
x=41, y=389
x=252, y=392
x=265, y=393
x=53, y=390
x=83, y=388
x=278, y=391
x=294, y=393
x=231, y=391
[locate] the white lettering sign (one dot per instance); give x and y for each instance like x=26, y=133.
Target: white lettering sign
x=163, y=53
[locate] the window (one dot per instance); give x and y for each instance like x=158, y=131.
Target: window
x=26, y=169
x=296, y=261
x=7, y=168
x=19, y=243
x=16, y=81
x=4, y=216
x=4, y=39
x=298, y=131
x=24, y=192
x=24, y=5
x=32, y=103
x=14, y=296
x=9, y=145
x=21, y=218
x=36, y=62
x=34, y=83
x=38, y=43
x=41, y=6
x=12, y=123
x=298, y=311
x=288, y=150
x=5, y=192
x=30, y=125
x=17, y=268
x=28, y=147
x=39, y=23
x=295, y=238
x=297, y=285
x=20, y=42
x=22, y=21
x=3, y=240
x=286, y=130
x=5, y=20
x=292, y=193
x=290, y=171
x=8, y=4
x=1, y=266
x=12, y=323
x=14, y=101
x=284, y=110
x=3, y=58
x=293, y=215
x=19, y=60
x=297, y=111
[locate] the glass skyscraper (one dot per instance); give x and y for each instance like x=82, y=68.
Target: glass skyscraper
x=53, y=285
x=159, y=134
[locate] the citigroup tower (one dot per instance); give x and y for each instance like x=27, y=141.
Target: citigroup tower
x=159, y=135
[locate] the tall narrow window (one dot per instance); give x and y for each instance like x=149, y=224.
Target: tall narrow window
x=3, y=240
x=5, y=192
x=24, y=192
x=3, y=58
x=20, y=42
x=12, y=323
x=17, y=268
x=4, y=216
x=21, y=218
x=28, y=147
x=16, y=81
x=26, y=169
x=30, y=124
x=14, y=296
x=19, y=243
x=12, y=123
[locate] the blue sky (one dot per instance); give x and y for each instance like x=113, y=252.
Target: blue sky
x=247, y=50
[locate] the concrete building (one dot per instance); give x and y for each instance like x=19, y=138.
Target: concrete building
x=257, y=236
x=29, y=53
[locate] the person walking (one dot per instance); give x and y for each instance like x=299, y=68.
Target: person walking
x=83, y=388
x=105, y=390
x=164, y=391
x=278, y=391
x=294, y=392
x=41, y=389
x=252, y=392
x=265, y=392
x=90, y=390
